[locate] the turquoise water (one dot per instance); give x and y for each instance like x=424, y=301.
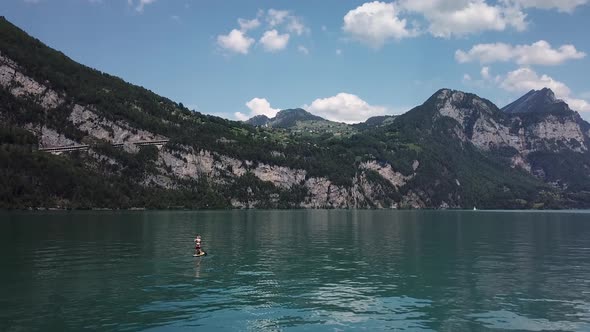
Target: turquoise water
x=295, y=271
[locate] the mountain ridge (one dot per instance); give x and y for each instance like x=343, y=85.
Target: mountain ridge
x=455, y=150
x=285, y=118
x=537, y=101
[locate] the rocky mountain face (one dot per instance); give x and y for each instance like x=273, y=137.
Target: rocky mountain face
x=455, y=150
x=531, y=133
x=542, y=101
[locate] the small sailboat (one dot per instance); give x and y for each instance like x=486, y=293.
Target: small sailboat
x=474, y=208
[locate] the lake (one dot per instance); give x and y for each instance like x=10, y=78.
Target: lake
x=304, y=270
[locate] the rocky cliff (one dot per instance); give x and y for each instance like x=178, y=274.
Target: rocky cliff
x=535, y=124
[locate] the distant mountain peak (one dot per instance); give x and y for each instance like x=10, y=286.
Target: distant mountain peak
x=450, y=95
x=537, y=101
x=299, y=113
x=446, y=100
x=285, y=118
x=548, y=94
x=444, y=93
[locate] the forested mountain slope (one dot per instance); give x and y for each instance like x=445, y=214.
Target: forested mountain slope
x=455, y=150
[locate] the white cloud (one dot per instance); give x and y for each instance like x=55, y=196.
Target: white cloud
x=338, y=52
x=241, y=116
x=345, y=107
x=485, y=53
x=273, y=41
x=374, y=23
x=236, y=41
x=274, y=20
x=462, y=17
x=579, y=105
x=303, y=49
x=486, y=79
x=292, y=23
x=525, y=79
x=296, y=26
x=246, y=25
x=485, y=73
x=539, y=53
x=276, y=17
x=257, y=106
x=561, y=5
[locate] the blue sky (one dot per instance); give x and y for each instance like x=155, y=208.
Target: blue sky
x=344, y=60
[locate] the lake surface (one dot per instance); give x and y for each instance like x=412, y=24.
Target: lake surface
x=295, y=271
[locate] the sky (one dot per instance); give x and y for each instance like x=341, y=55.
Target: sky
x=341, y=59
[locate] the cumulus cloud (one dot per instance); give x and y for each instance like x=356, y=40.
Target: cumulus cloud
x=579, y=105
x=345, y=107
x=280, y=25
x=246, y=25
x=475, y=17
x=526, y=79
x=539, y=53
x=273, y=41
x=448, y=18
x=276, y=17
x=374, y=23
x=236, y=41
x=561, y=5
x=257, y=106
x=292, y=23
x=296, y=26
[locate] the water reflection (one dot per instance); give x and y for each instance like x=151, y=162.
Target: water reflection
x=274, y=270
x=198, y=268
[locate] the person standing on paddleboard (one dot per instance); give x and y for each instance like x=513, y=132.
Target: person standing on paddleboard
x=198, y=245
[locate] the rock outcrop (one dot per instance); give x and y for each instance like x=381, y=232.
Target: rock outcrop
x=87, y=120
x=20, y=85
x=537, y=122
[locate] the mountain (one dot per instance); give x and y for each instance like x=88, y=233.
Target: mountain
x=542, y=101
x=537, y=133
x=290, y=118
x=285, y=119
x=258, y=121
x=376, y=121
x=299, y=122
x=128, y=147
